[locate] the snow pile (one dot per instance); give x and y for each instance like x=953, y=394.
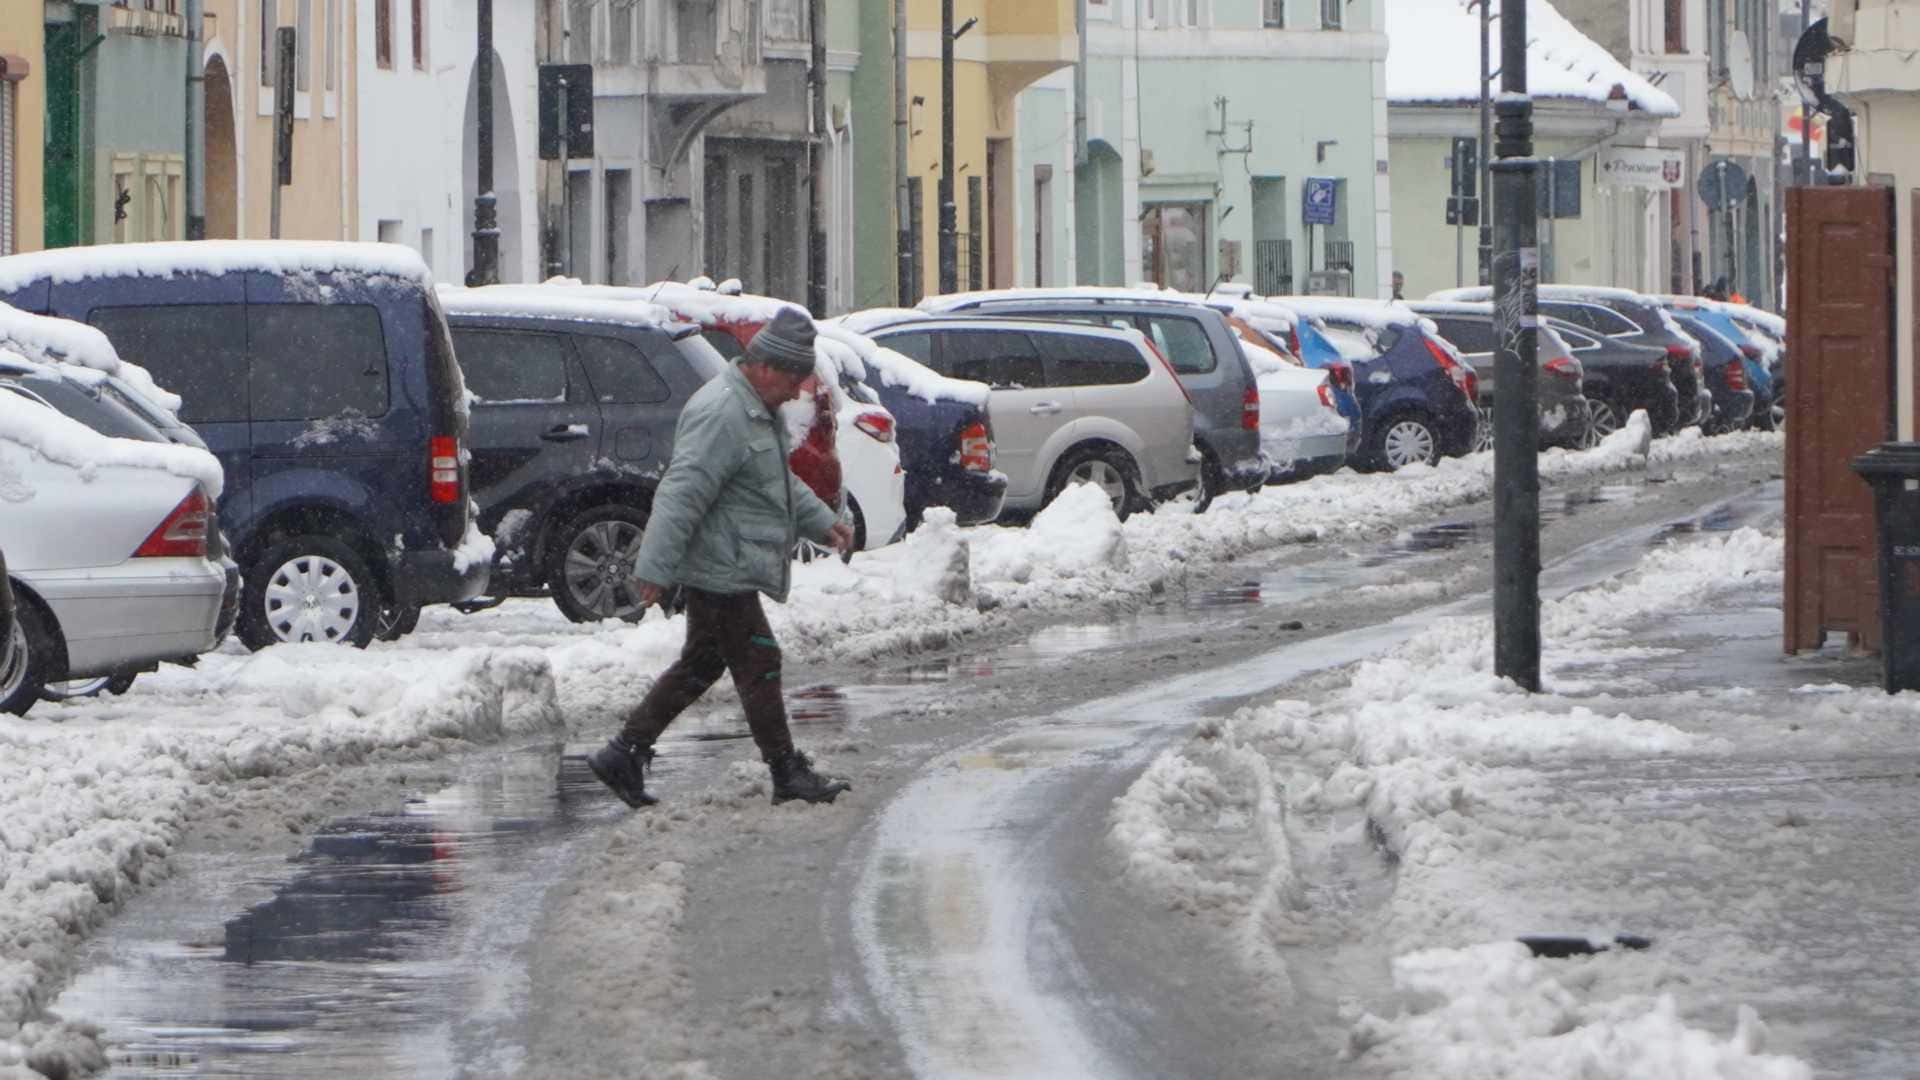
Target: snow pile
x=1076, y=535
x=1444, y=769
x=168, y=259
x=56, y=341
x=1495, y=1011
x=1437, y=59
x=45, y=434
x=91, y=807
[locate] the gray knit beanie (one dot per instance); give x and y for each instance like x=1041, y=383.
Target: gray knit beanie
x=786, y=342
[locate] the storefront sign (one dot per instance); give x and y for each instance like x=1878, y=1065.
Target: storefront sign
x=1639, y=166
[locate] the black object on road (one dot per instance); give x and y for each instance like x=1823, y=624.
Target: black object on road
x=1561, y=946
x=1897, y=512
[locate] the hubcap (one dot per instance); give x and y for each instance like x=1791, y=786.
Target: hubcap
x=1407, y=442
x=599, y=569
x=1104, y=476
x=1605, y=423
x=312, y=598
x=13, y=661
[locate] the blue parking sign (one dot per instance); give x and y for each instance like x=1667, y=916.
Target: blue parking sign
x=1320, y=200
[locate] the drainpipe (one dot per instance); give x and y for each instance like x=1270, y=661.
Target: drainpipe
x=1080, y=87
x=196, y=126
x=902, y=118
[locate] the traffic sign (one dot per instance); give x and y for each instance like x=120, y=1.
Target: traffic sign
x=1722, y=183
x=1320, y=200
x=1463, y=211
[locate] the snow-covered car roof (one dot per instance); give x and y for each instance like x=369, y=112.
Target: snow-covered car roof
x=1767, y=321
x=164, y=259
x=586, y=304
x=1373, y=314
x=871, y=319
x=51, y=435
x=1452, y=307
x=897, y=369
x=705, y=305
x=63, y=341
x=952, y=301
x=1557, y=292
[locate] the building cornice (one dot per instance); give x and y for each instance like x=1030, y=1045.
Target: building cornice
x=1185, y=43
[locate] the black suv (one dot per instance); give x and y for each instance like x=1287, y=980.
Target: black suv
x=322, y=378
x=573, y=416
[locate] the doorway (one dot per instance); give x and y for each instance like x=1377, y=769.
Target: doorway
x=223, y=175
x=1173, y=245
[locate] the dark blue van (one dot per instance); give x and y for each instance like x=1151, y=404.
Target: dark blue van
x=322, y=376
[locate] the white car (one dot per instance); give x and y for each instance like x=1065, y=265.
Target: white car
x=1301, y=430
x=107, y=543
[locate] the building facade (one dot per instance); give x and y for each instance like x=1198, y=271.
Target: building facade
x=23, y=105
x=1200, y=144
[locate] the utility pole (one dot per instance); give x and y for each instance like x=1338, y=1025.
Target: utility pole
x=1516, y=425
x=907, y=243
x=817, y=173
x=196, y=126
x=486, y=221
x=949, y=213
x=1486, y=142
x=1803, y=165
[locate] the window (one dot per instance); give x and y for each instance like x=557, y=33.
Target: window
x=1467, y=335
x=505, y=368
x=420, y=35
x=1591, y=316
x=196, y=351
x=315, y=361
x=580, y=15
x=617, y=185
x=724, y=343
x=382, y=32
x=914, y=346
x=1182, y=341
x=303, y=49
x=620, y=373
x=1716, y=38
x=1273, y=14
x=620, y=14
x=9, y=149
x=1332, y=14
x=1676, y=27
x=123, y=206
x=1000, y=358
x=1078, y=360
x=332, y=16
x=269, y=18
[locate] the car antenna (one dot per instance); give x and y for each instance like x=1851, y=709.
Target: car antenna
x=663, y=283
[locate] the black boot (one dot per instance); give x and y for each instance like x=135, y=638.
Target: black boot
x=794, y=778
x=623, y=767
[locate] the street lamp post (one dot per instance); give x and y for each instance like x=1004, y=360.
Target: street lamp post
x=1486, y=142
x=949, y=213
x=486, y=221
x=1516, y=463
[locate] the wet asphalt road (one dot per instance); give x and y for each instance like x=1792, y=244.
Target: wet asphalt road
x=970, y=923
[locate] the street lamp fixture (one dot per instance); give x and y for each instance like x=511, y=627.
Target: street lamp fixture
x=961, y=30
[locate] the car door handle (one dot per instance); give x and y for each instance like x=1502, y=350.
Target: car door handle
x=565, y=433
x=1045, y=408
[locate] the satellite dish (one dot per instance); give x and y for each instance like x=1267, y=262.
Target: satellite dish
x=1740, y=65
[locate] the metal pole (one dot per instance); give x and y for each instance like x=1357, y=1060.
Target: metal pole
x=196, y=126
x=1486, y=142
x=486, y=221
x=565, y=242
x=906, y=243
x=817, y=174
x=1803, y=166
x=1516, y=425
x=273, y=200
x=949, y=213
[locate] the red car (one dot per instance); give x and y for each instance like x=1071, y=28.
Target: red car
x=816, y=459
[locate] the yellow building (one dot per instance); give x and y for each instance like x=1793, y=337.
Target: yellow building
x=1011, y=45
x=23, y=111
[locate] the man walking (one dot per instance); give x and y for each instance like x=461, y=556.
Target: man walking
x=724, y=522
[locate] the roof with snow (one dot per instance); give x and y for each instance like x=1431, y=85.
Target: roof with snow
x=1433, y=58
x=170, y=258
x=555, y=302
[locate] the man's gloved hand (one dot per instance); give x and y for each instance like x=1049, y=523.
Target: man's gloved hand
x=648, y=592
x=840, y=538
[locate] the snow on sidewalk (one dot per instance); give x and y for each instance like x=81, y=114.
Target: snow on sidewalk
x=1592, y=808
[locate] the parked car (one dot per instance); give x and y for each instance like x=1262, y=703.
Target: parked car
x=1418, y=393
x=1070, y=404
x=1757, y=352
x=573, y=407
x=1302, y=432
x=1726, y=375
x=108, y=544
x=1277, y=329
x=1193, y=337
x=1769, y=331
x=1628, y=316
x=1560, y=389
x=1620, y=378
x=322, y=377
x=941, y=425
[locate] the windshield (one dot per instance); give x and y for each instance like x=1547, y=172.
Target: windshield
x=97, y=411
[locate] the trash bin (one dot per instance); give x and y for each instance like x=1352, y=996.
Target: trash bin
x=1894, y=470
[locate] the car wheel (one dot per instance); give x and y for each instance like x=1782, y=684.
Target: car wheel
x=397, y=622
x=859, y=523
x=1483, y=432
x=1107, y=468
x=309, y=589
x=1403, y=440
x=26, y=660
x=71, y=689
x=591, y=568
x=1606, y=420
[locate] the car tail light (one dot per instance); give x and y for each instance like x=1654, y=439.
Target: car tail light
x=1736, y=377
x=1340, y=375
x=1564, y=366
x=1326, y=395
x=1679, y=354
x=976, y=448
x=879, y=425
x=1250, y=409
x=1293, y=342
x=1462, y=375
x=184, y=533
x=444, y=465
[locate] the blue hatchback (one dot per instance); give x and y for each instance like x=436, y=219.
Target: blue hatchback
x=323, y=378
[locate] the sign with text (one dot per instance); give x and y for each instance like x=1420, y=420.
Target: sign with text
x=1320, y=200
x=1640, y=166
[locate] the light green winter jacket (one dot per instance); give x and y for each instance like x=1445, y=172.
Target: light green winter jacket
x=729, y=510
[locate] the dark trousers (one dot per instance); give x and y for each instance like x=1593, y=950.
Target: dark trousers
x=725, y=632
